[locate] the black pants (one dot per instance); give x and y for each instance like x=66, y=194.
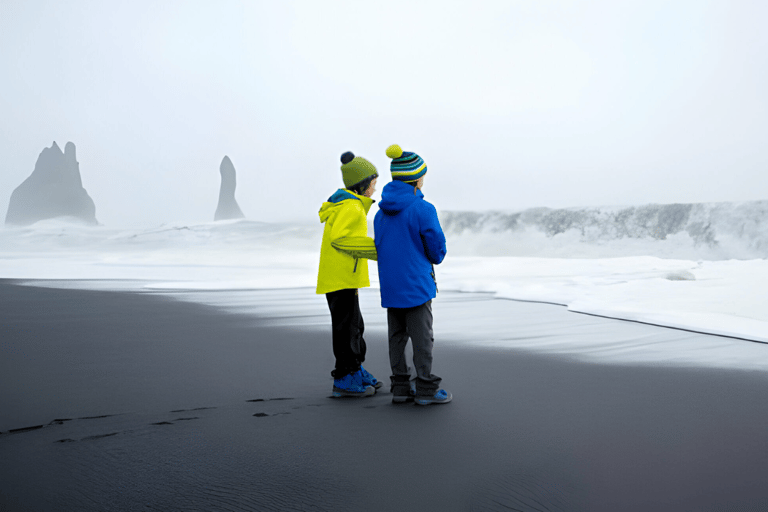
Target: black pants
x=347, y=321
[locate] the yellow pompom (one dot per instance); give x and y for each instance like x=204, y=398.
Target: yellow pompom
x=394, y=151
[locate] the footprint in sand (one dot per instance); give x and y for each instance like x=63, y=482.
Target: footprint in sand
x=100, y=436
x=264, y=415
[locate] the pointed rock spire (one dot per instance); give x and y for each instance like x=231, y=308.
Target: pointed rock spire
x=69, y=152
x=228, y=207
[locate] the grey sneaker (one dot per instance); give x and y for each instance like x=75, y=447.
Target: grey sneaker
x=441, y=397
x=401, y=399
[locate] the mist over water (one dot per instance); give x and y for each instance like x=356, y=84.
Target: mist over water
x=703, y=231
x=708, y=231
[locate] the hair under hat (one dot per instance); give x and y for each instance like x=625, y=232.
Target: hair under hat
x=355, y=169
x=405, y=166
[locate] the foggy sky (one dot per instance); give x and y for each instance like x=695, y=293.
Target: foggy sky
x=511, y=104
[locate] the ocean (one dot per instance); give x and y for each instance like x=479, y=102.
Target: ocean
x=697, y=267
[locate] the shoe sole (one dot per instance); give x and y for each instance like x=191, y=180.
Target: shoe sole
x=430, y=401
x=401, y=399
x=340, y=393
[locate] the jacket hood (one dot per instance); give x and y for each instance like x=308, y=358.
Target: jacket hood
x=397, y=196
x=334, y=203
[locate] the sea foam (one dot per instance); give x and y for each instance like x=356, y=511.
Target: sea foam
x=709, y=231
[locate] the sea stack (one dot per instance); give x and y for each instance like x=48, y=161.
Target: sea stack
x=54, y=189
x=228, y=208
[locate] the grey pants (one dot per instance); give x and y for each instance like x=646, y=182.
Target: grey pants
x=414, y=323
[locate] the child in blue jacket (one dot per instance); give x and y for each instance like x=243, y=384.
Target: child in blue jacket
x=409, y=241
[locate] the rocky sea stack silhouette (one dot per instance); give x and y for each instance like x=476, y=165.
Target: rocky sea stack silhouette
x=54, y=189
x=228, y=208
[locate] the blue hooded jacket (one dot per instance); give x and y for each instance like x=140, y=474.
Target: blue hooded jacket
x=409, y=240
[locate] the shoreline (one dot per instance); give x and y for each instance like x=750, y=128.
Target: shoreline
x=599, y=338
x=177, y=405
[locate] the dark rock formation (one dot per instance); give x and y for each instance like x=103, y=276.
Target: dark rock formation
x=228, y=208
x=54, y=189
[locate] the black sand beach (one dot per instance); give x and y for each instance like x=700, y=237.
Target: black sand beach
x=148, y=403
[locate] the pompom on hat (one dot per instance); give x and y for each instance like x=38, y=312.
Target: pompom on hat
x=405, y=166
x=355, y=169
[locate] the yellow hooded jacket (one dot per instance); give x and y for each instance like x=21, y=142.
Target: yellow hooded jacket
x=346, y=245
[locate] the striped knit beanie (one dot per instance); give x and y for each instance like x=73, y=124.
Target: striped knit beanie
x=405, y=166
x=355, y=169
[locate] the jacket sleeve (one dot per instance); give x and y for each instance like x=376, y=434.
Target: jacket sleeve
x=356, y=246
x=432, y=235
x=349, y=233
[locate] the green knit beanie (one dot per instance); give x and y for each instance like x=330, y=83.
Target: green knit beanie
x=355, y=169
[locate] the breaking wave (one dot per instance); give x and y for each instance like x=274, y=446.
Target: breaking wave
x=703, y=231
x=709, y=231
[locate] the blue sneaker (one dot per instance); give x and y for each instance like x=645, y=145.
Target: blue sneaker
x=441, y=397
x=352, y=385
x=370, y=380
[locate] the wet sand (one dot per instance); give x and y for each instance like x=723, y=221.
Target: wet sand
x=148, y=403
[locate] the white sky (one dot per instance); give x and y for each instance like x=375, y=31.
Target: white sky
x=511, y=104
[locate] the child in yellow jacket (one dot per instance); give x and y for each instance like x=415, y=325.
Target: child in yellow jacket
x=343, y=269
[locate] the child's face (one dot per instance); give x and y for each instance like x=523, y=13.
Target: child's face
x=371, y=188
